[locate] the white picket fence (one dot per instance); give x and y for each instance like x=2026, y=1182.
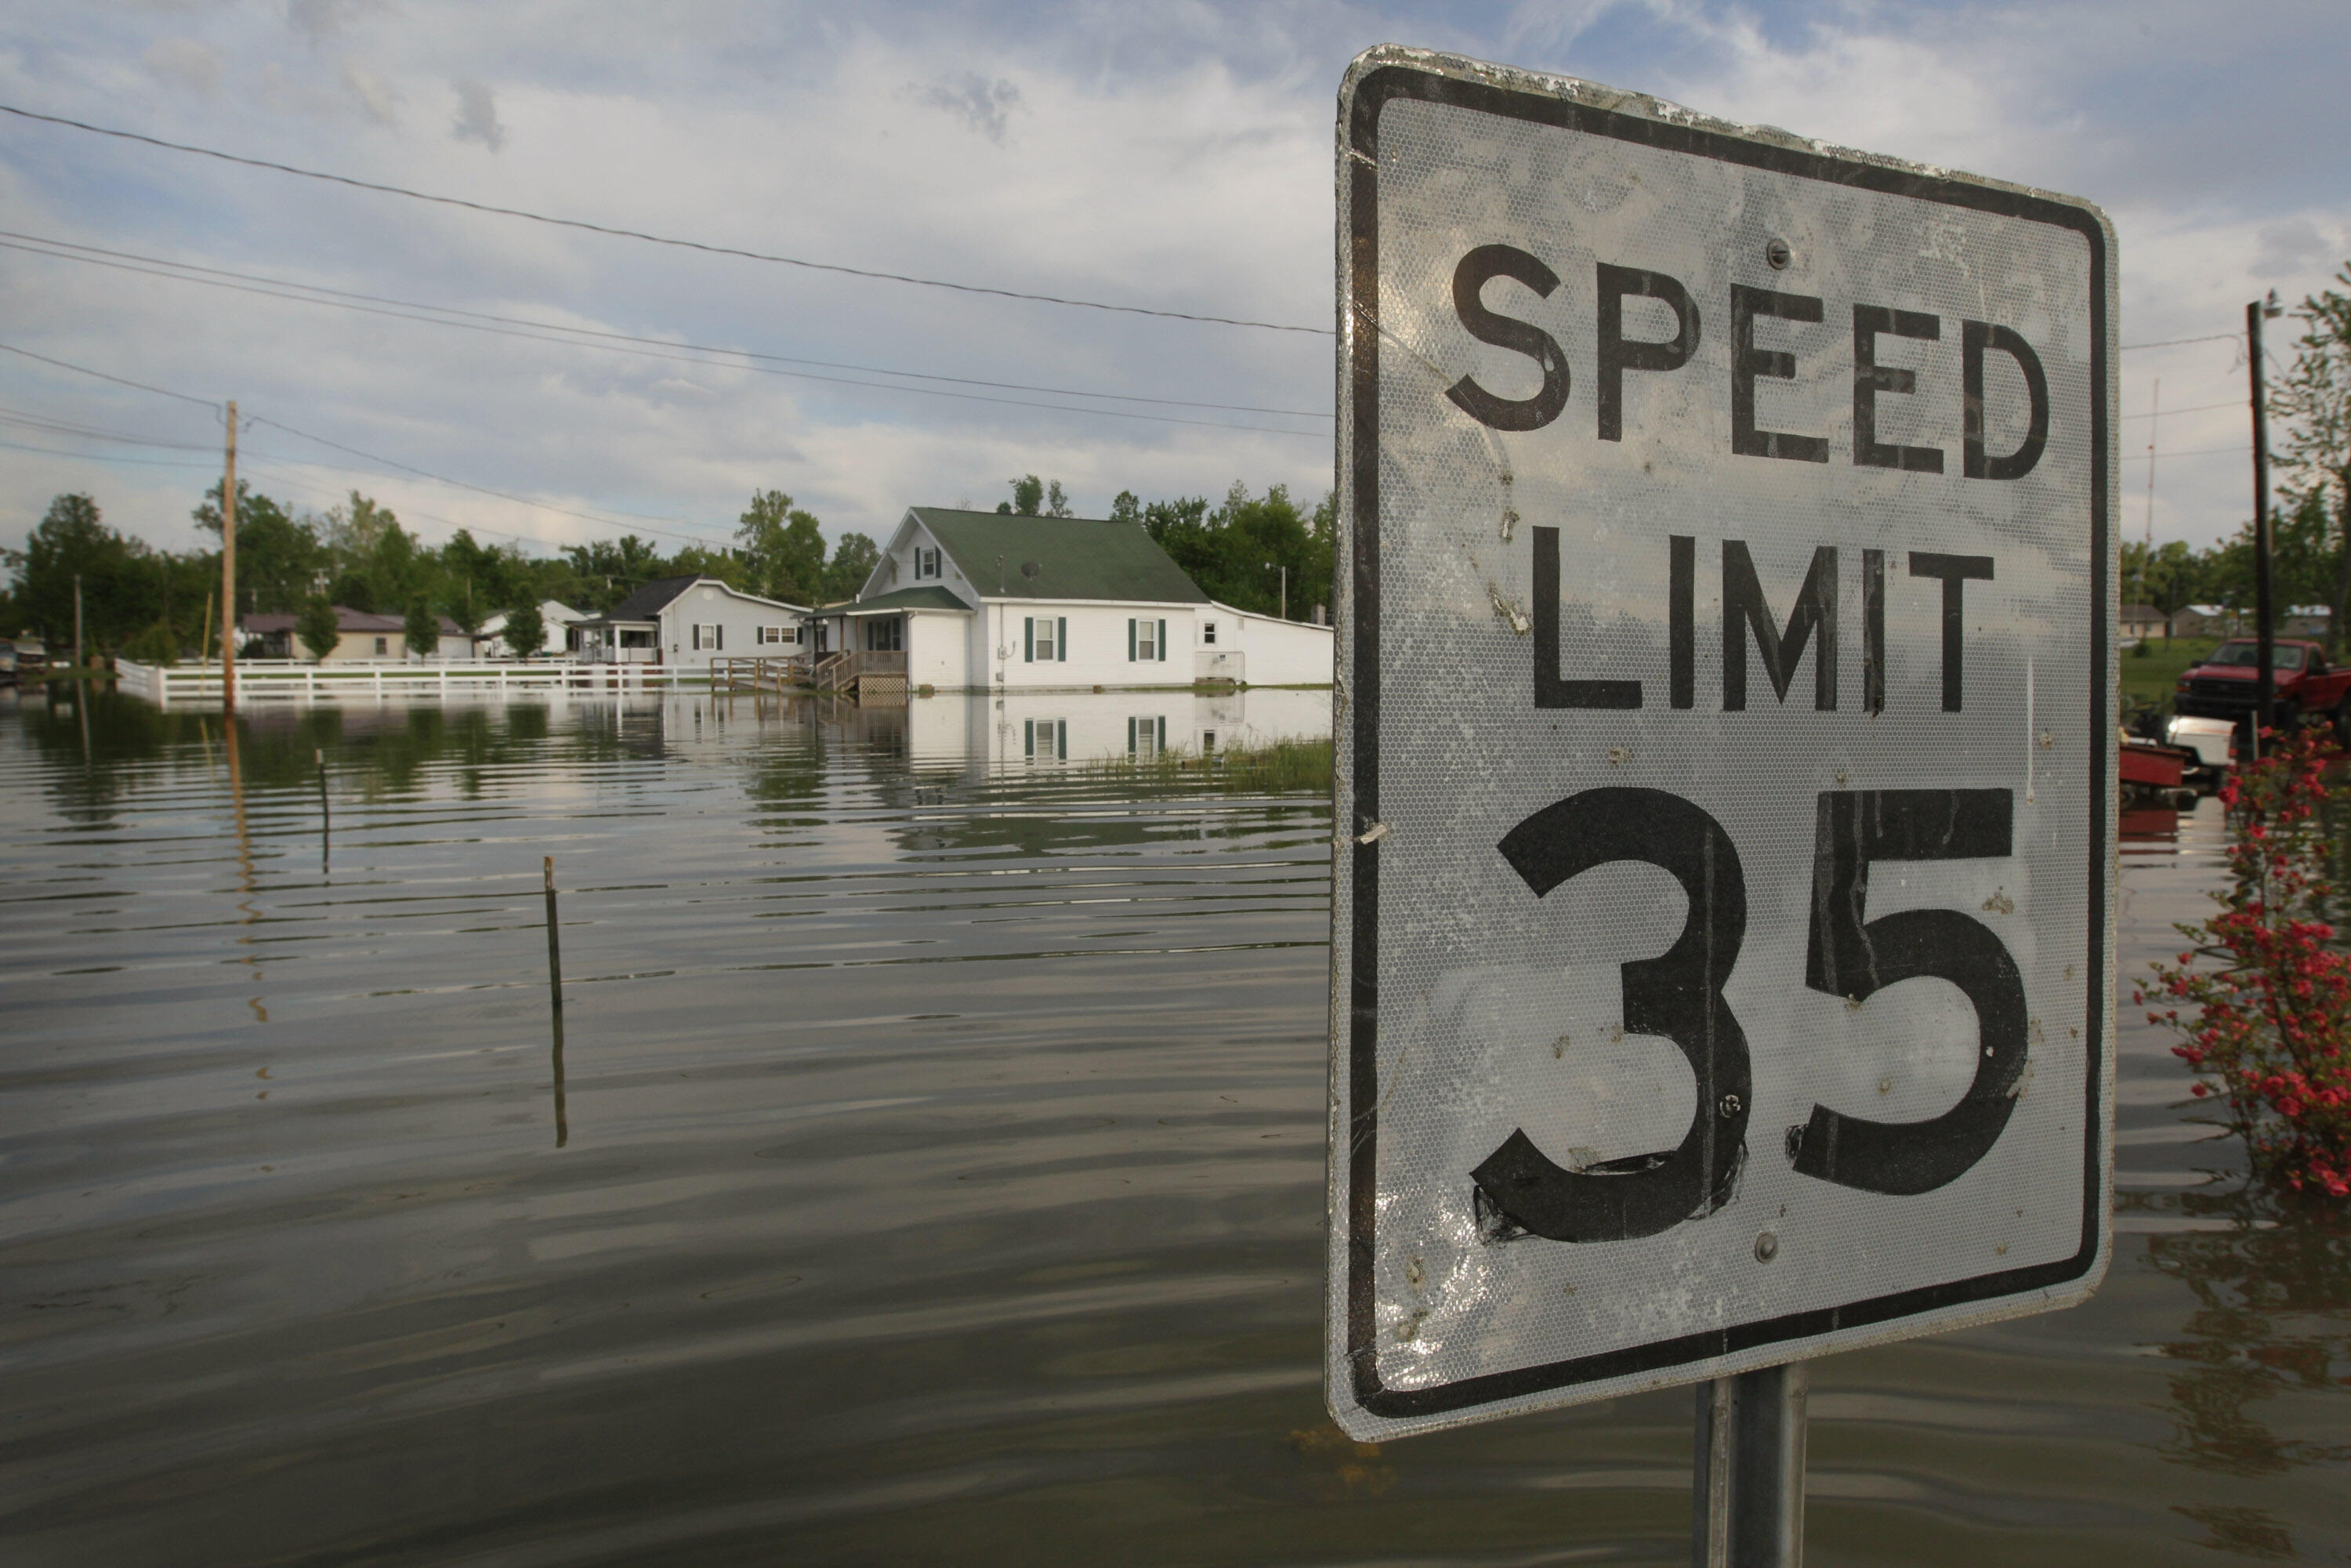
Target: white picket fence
x=293, y=680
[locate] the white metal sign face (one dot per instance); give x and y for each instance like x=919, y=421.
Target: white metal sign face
x=1723, y=912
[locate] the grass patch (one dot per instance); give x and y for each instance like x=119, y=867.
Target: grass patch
x=1286, y=767
x=2151, y=677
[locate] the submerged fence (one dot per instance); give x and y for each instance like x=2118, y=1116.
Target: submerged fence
x=290, y=680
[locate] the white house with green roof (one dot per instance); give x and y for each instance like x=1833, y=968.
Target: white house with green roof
x=980, y=601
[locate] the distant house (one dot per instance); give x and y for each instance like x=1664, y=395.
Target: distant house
x=2142, y=621
x=364, y=638
x=976, y=600
x=2204, y=621
x=489, y=642
x=2305, y=621
x=687, y=621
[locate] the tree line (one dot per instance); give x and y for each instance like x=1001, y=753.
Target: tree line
x=2310, y=526
x=160, y=605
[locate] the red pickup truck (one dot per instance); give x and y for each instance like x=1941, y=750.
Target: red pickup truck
x=2305, y=690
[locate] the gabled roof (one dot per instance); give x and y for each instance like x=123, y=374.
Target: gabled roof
x=647, y=603
x=928, y=597
x=651, y=600
x=1075, y=558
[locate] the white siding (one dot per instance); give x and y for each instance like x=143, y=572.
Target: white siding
x=737, y=616
x=938, y=649
x=1097, y=649
x=1262, y=650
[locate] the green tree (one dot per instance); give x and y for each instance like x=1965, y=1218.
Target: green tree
x=117, y=577
x=783, y=547
x=475, y=579
x=423, y=631
x=280, y=561
x=1027, y=497
x=853, y=561
x=2314, y=403
x=1125, y=507
x=2169, y=577
x=1057, y=501
x=609, y=570
x=525, y=630
x=315, y=625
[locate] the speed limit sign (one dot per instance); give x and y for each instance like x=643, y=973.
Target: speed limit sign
x=1723, y=910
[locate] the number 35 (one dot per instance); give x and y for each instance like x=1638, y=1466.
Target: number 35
x=1678, y=995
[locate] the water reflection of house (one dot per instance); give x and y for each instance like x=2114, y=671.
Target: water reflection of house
x=689, y=621
x=1040, y=730
x=978, y=601
x=361, y=637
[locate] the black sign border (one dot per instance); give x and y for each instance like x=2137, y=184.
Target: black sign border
x=1372, y=93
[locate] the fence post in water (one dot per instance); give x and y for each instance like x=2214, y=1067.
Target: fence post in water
x=1748, y=1492
x=325, y=815
x=555, y=995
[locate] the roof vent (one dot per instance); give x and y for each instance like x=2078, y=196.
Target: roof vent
x=1029, y=568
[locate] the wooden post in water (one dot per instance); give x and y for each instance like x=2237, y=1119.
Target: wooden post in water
x=555, y=997
x=228, y=570
x=326, y=816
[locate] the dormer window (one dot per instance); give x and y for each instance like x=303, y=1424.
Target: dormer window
x=927, y=561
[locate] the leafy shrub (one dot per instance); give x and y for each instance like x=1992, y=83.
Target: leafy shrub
x=2264, y=991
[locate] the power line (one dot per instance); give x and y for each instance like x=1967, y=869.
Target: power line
x=179, y=271
x=2128, y=348
x=539, y=332
x=118, y=381
x=2199, y=408
x=422, y=473
x=654, y=238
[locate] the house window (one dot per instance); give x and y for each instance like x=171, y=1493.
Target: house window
x=1208, y=632
x=382, y=646
x=709, y=638
x=885, y=634
x=1146, y=641
x=927, y=561
x=780, y=636
x=1045, y=639
x=1145, y=737
x=1045, y=738
x=1208, y=743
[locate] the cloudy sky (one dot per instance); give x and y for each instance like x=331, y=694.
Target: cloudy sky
x=1176, y=157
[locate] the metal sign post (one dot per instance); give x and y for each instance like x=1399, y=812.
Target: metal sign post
x=1722, y=913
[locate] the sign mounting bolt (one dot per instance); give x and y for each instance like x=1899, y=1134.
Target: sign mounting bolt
x=1730, y=1106
x=1776, y=252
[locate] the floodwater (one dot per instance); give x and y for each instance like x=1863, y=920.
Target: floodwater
x=933, y=1173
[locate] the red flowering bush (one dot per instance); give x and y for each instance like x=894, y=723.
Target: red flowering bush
x=2264, y=997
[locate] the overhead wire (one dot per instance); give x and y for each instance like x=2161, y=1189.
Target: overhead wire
x=250, y=419
x=74, y=250
x=617, y=231
x=542, y=332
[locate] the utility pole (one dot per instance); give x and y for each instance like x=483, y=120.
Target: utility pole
x=2265, y=665
x=228, y=570
x=1285, y=593
x=78, y=661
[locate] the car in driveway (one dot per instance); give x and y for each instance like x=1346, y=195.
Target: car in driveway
x=2306, y=689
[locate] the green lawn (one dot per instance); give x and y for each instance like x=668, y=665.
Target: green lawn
x=2150, y=671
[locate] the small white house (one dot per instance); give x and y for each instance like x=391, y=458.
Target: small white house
x=687, y=621
x=490, y=642
x=991, y=600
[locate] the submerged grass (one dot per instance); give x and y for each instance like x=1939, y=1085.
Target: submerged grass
x=1282, y=767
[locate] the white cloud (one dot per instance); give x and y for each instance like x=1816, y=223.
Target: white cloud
x=184, y=62
x=375, y=96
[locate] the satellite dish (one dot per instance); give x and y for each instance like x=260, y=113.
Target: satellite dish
x=1029, y=568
